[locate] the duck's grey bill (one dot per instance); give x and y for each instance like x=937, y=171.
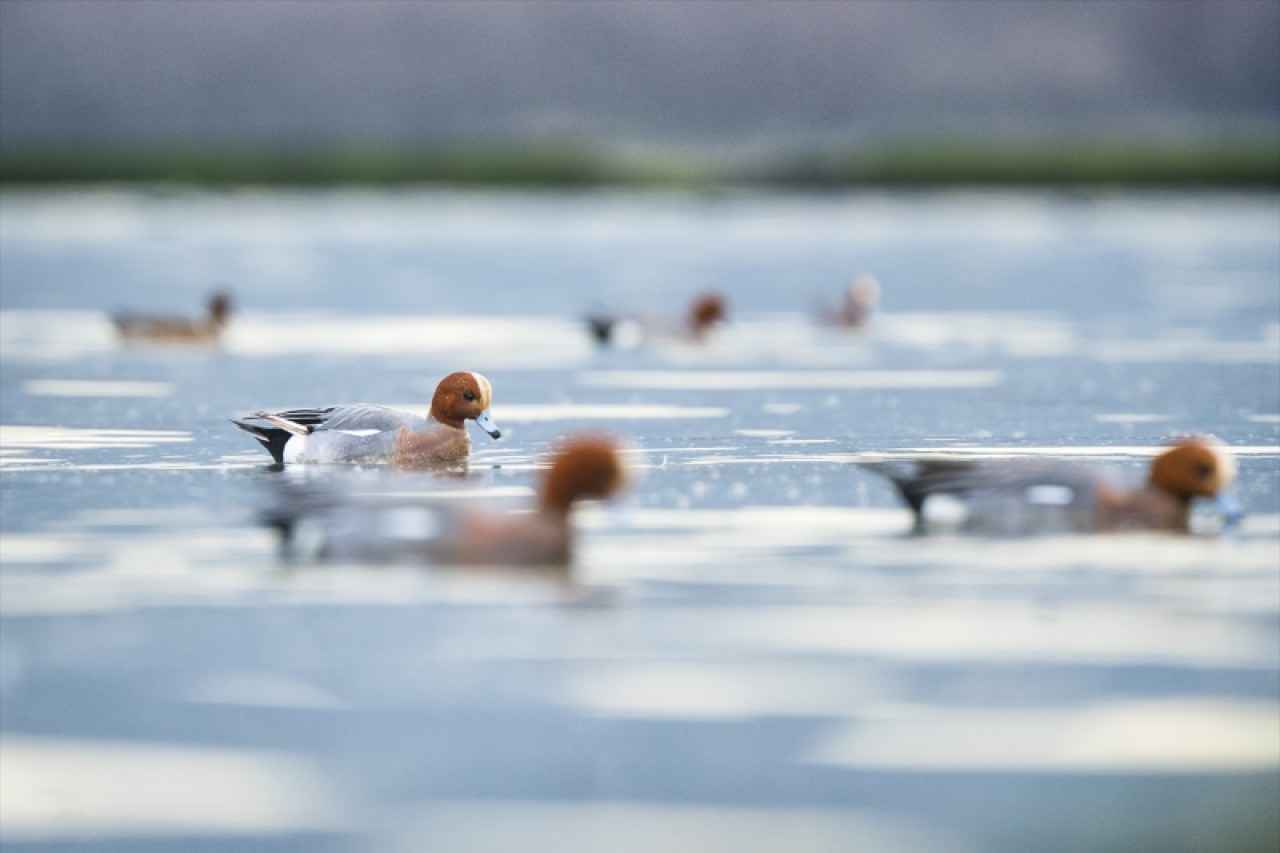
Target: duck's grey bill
x=485, y=420
x=1228, y=503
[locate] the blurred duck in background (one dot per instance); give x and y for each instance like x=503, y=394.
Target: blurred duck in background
x=362, y=432
x=706, y=313
x=861, y=298
x=141, y=328
x=1031, y=496
x=382, y=523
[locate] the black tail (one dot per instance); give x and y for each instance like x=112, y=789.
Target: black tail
x=601, y=327
x=907, y=477
x=272, y=438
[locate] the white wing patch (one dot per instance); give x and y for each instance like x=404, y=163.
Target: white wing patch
x=1046, y=495
x=294, y=449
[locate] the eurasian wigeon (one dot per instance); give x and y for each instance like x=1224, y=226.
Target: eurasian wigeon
x=361, y=432
x=706, y=312
x=1028, y=496
x=140, y=328
x=372, y=525
x=860, y=300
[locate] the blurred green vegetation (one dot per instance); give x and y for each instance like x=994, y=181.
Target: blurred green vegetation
x=907, y=163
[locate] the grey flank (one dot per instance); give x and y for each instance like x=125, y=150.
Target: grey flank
x=330, y=439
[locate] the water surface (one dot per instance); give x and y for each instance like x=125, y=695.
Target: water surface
x=750, y=651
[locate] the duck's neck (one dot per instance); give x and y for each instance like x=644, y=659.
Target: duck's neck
x=439, y=417
x=1146, y=508
x=555, y=500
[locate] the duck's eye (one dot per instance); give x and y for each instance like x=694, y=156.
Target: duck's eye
x=1203, y=470
x=469, y=395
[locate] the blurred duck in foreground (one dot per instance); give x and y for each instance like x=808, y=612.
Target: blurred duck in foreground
x=361, y=432
x=706, y=313
x=861, y=298
x=1026, y=496
x=374, y=526
x=141, y=328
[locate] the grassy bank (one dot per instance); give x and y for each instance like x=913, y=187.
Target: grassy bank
x=911, y=163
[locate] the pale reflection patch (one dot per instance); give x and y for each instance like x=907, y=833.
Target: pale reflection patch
x=54, y=335
x=1141, y=736
x=1130, y=418
x=1113, y=451
x=511, y=343
x=64, y=789
x=1016, y=334
x=738, y=380
x=95, y=388
x=66, y=438
x=718, y=691
x=567, y=826
x=539, y=414
x=254, y=689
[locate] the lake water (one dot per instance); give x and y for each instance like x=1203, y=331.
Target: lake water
x=750, y=652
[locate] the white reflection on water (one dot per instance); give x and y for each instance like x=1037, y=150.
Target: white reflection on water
x=543, y=413
x=1136, y=736
x=626, y=826
x=65, y=438
x=1147, y=736
x=505, y=341
x=64, y=789
x=16, y=441
x=255, y=689
x=711, y=380
x=96, y=388
x=523, y=342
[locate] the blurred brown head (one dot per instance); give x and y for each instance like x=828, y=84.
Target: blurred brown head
x=582, y=467
x=219, y=308
x=706, y=312
x=1193, y=468
x=860, y=300
x=463, y=396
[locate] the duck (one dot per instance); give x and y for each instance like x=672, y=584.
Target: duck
x=374, y=523
x=706, y=312
x=1029, y=496
x=861, y=297
x=363, y=432
x=141, y=328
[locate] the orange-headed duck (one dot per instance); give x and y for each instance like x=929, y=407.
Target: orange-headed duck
x=706, y=312
x=361, y=432
x=140, y=328
x=860, y=300
x=1028, y=496
x=391, y=526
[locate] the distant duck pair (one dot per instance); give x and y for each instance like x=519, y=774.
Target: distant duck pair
x=706, y=312
x=709, y=310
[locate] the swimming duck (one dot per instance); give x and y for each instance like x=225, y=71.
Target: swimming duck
x=860, y=300
x=706, y=312
x=139, y=328
x=361, y=432
x=390, y=526
x=1023, y=496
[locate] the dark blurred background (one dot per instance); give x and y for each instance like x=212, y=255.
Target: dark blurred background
x=676, y=91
